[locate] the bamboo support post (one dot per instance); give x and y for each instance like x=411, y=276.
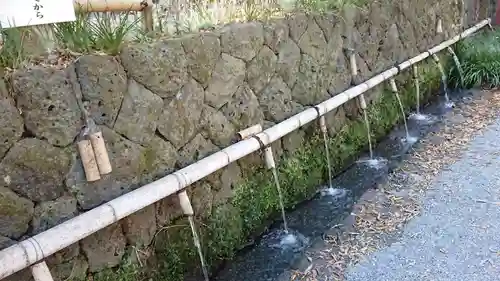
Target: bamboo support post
x=88, y=159
x=439, y=26
x=101, y=153
x=269, y=158
x=41, y=272
x=185, y=203
x=322, y=124
x=355, y=77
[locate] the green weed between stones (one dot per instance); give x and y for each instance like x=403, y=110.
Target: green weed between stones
x=256, y=202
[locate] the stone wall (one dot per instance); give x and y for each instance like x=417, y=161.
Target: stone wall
x=166, y=104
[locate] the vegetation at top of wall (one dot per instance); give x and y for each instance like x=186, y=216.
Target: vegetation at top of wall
x=105, y=32
x=480, y=59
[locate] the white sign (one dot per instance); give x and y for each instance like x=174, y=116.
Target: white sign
x=15, y=13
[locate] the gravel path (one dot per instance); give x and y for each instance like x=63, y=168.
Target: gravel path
x=457, y=235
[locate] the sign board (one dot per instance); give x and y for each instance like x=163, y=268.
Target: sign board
x=18, y=13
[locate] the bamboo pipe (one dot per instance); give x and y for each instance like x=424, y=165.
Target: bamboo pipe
x=250, y=131
x=101, y=6
x=36, y=248
x=41, y=272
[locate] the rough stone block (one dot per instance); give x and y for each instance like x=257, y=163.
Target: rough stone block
x=276, y=101
x=15, y=214
x=48, y=104
x=289, y=62
x=228, y=75
x=196, y=149
x=261, y=69
x=202, y=51
x=216, y=127
x=105, y=248
x=161, y=66
x=140, y=227
x=243, y=110
x=104, y=83
x=51, y=213
x=11, y=124
x=179, y=121
x=242, y=40
x=35, y=169
x=275, y=33
x=138, y=117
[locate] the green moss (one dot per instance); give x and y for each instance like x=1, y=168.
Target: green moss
x=256, y=200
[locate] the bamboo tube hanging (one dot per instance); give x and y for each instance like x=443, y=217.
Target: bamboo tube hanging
x=87, y=155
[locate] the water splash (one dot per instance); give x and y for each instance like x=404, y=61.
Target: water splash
x=368, y=132
x=333, y=192
x=409, y=140
x=286, y=241
x=280, y=196
x=197, y=244
x=374, y=163
x=457, y=63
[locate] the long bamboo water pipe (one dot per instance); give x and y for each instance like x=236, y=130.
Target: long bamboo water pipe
x=42, y=245
x=101, y=6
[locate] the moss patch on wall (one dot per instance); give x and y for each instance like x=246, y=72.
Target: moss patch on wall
x=255, y=202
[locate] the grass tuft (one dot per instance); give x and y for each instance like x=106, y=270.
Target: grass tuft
x=480, y=60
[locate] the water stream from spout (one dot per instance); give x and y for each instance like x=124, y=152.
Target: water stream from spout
x=444, y=79
x=197, y=244
x=457, y=63
x=368, y=132
x=324, y=131
x=280, y=196
x=401, y=107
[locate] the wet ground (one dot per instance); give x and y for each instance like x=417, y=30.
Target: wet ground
x=316, y=224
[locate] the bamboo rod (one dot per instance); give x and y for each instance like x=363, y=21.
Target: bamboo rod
x=41, y=272
x=101, y=6
x=42, y=245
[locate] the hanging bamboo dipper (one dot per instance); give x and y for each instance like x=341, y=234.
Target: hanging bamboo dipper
x=101, y=154
x=87, y=155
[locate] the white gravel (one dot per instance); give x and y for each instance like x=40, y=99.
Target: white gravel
x=457, y=236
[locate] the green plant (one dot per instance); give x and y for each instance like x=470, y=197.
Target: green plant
x=101, y=32
x=12, y=51
x=109, y=35
x=480, y=60
x=323, y=6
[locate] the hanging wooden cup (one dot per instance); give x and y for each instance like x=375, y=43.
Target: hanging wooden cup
x=100, y=151
x=88, y=158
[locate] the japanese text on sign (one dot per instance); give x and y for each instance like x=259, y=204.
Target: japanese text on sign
x=35, y=12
